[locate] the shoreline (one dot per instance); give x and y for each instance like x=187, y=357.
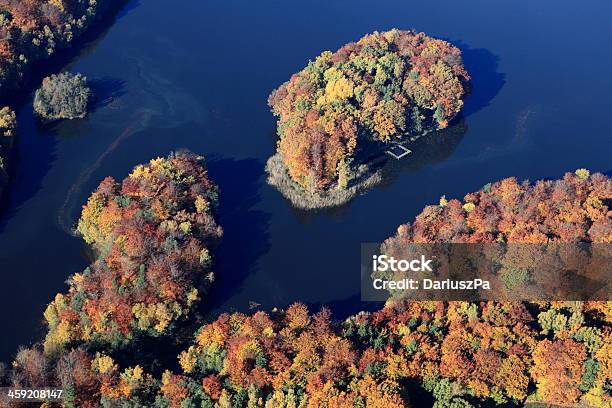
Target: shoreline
x=302, y=199
x=20, y=77
x=364, y=180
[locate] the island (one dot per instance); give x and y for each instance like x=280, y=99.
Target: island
x=445, y=354
x=62, y=96
x=345, y=108
x=141, y=321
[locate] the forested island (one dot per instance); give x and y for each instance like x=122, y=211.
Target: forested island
x=337, y=113
x=462, y=354
x=30, y=31
x=62, y=96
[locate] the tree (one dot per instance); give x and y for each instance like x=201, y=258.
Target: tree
x=558, y=370
x=62, y=96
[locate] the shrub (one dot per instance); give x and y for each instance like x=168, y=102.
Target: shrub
x=62, y=96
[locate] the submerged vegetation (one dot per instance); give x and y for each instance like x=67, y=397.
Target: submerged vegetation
x=390, y=86
x=463, y=354
x=62, y=96
x=151, y=235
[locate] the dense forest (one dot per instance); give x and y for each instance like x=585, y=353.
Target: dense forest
x=573, y=209
x=151, y=236
x=382, y=88
x=461, y=353
x=32, y=30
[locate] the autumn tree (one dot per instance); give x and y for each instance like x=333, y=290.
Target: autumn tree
x=558, y=369
x=152, y=234
x=62, y=96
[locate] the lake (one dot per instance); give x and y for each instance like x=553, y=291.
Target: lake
x=196, y=75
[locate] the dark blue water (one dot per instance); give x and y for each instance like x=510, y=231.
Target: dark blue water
x=196, y=74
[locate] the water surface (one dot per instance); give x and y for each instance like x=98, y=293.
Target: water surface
x=196, y=75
